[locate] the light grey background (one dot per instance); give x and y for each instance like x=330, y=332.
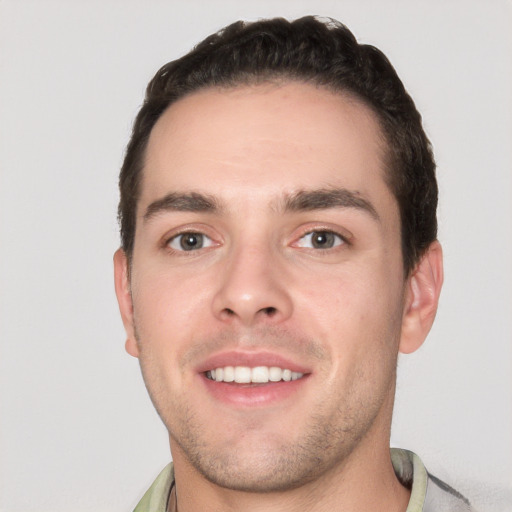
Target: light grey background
x=77, y=430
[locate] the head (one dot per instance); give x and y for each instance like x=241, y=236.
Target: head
x=319, y=52
x=278, y=225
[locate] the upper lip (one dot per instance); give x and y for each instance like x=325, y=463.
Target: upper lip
x=251, y=359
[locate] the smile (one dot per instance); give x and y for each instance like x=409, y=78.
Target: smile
x=254, y=375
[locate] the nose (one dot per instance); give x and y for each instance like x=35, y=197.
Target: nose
x=252, y=289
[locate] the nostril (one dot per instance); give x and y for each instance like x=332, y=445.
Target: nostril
x=270, y=311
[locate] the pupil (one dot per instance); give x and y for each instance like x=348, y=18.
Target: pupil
x=323, y=239
x=191, y=241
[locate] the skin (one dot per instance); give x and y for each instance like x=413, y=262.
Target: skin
x=259, y=287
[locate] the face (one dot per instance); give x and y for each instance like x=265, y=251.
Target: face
x=266, y=294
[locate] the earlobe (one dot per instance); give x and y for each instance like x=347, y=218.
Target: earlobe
x=124, y=299
x=422, y=297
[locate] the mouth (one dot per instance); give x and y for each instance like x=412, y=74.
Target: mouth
x=244, y=379
x=252, y=375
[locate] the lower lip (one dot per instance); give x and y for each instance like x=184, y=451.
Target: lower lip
x=251, y=395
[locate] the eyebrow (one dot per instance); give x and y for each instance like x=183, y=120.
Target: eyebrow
x=302, y=200
x=323, y=199
x=188, y=202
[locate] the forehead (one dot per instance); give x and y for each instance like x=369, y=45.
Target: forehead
x=264, y=140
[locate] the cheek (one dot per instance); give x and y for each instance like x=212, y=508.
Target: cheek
x=354, y=308
x=166, y=318
x=352, y=288
x=167, y=308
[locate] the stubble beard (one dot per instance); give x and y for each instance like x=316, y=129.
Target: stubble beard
x=277, y=462
x=274, y=465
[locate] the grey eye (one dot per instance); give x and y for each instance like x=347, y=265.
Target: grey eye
x=189, y=242
x=320, y=240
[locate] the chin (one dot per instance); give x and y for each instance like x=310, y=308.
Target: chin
x=267, y=463
x=262, y=473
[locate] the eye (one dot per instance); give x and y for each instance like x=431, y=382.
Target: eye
x=189, y=242
x=320, y=240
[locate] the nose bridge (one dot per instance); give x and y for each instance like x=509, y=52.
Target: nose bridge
x=252, y=285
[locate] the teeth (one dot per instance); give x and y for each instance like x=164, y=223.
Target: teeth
x=229, y=374
x=275, y=374
x=243, y=374
x=260, y=374
x=256, y=375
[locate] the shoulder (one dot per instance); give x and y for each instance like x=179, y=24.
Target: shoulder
x=156, y=497
x=428, y=493
x=441, y=497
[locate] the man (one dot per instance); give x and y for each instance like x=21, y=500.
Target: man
x=278, y=224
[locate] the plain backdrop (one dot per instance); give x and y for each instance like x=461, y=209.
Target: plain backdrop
x=77, y=430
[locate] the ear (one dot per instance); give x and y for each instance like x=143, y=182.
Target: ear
x=124, y=299
x=421, y=300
